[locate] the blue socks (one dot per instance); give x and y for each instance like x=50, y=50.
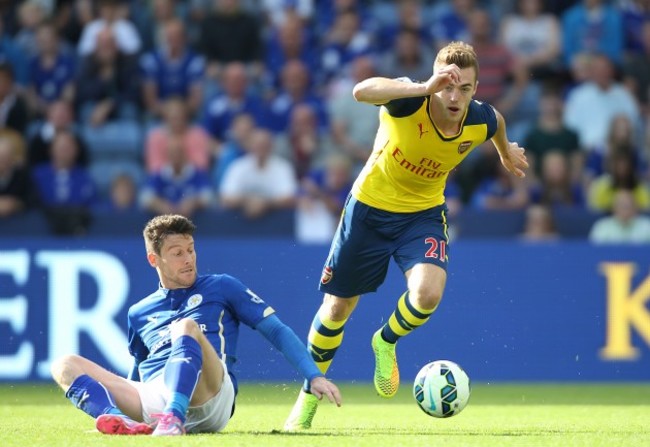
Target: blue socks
x=182, y=374
x=91, y=397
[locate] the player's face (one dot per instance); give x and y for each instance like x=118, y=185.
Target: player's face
x=455, y=98
x=176, y=263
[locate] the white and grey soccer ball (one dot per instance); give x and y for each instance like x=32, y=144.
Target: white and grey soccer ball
x=442, y=389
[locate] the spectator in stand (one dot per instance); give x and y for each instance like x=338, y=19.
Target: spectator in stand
x=409, y=57
x=343, y=43
x=304, y=144
x=539, y=225
x=230, y=34
x=295, y=90
x=112, y=18
x=72, y=17
x=65, y=189
x=59, y=117
x=290, y=40
x=107, y=84
x=591, y=106
x=354, y=125
x=550, y=133
x=452, y=22
x=504, y=82
x=555, y=186
x=15, y=182
x=500, y=191
x=592, y=26
x=176, y=125
x=151, y=17
x=179, y=187
x=233, y=147
x=636, y=71
x=321, y=198
x=534, y=38
x=31, y=15
x=278, y=12
x=11, y=55
x=13, y=108
x=122, y=197
x=327, y=12
x=172, y=69
x=635, y=13
x=624, y=226
x=236, y=99
x=51, y=71
x=259, y=182
x=411, y=16
x=621, y=174
x=621, y=137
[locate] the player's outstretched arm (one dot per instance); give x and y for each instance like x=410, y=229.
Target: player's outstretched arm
x=512, y=156
x=380, y=90
x=286, y=341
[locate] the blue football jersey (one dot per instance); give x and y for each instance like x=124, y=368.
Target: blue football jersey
x=218, y=304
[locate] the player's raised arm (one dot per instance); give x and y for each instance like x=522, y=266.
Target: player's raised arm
x=380, y=90
x=512, y=156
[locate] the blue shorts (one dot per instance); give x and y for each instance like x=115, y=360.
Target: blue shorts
x=367, y=237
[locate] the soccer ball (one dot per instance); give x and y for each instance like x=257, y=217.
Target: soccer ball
x=441, y=389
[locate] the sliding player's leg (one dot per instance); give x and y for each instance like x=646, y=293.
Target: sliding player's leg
x=112, y=400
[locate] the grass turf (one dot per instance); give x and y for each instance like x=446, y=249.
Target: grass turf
x=498, y=415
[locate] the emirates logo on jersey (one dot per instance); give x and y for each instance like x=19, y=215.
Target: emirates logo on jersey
x=464, y=146
x=327, y=275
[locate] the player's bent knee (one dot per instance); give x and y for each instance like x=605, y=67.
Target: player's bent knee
x=426, y=298
x=66, y=368
x=186, y=326
x=338, y=308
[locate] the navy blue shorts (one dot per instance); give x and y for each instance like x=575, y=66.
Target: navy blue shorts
x=367, y=238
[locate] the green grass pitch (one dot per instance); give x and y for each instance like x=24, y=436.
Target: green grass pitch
x=497, y=415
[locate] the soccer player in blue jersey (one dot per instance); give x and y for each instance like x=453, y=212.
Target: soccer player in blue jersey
x=183, y=338
x=397, y=209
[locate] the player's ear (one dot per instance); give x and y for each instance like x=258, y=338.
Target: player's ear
x=151, y=257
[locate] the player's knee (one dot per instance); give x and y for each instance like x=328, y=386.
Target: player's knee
x=426, y=297
x=186, y=326
x=65, y=369
x=338, y=309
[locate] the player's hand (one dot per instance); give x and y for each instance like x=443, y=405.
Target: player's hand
x=514, y=160
x=449, y=74
x=320, y=387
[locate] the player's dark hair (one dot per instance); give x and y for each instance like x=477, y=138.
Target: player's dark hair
x=459, y=53
x=158, y=228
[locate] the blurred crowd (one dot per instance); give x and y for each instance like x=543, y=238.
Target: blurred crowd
x=115, y=106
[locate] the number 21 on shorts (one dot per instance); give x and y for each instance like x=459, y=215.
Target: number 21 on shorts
x=437, y=248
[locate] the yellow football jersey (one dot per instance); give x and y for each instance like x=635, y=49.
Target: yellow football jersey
x=411, y=158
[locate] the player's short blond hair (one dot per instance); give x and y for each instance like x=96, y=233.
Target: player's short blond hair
x=459, y=53
x=158, y=228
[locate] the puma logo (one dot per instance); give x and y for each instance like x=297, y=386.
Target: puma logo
x=422, y=132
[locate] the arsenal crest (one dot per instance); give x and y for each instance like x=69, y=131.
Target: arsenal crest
x=327, y=275
x=462, y=147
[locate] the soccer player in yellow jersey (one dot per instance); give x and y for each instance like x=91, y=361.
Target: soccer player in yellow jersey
x=397, y=208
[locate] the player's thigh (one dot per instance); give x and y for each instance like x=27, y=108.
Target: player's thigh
x=422, y=253
x=124, y=394
x=424, y=241
x=358, y=258
x=212, y=374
